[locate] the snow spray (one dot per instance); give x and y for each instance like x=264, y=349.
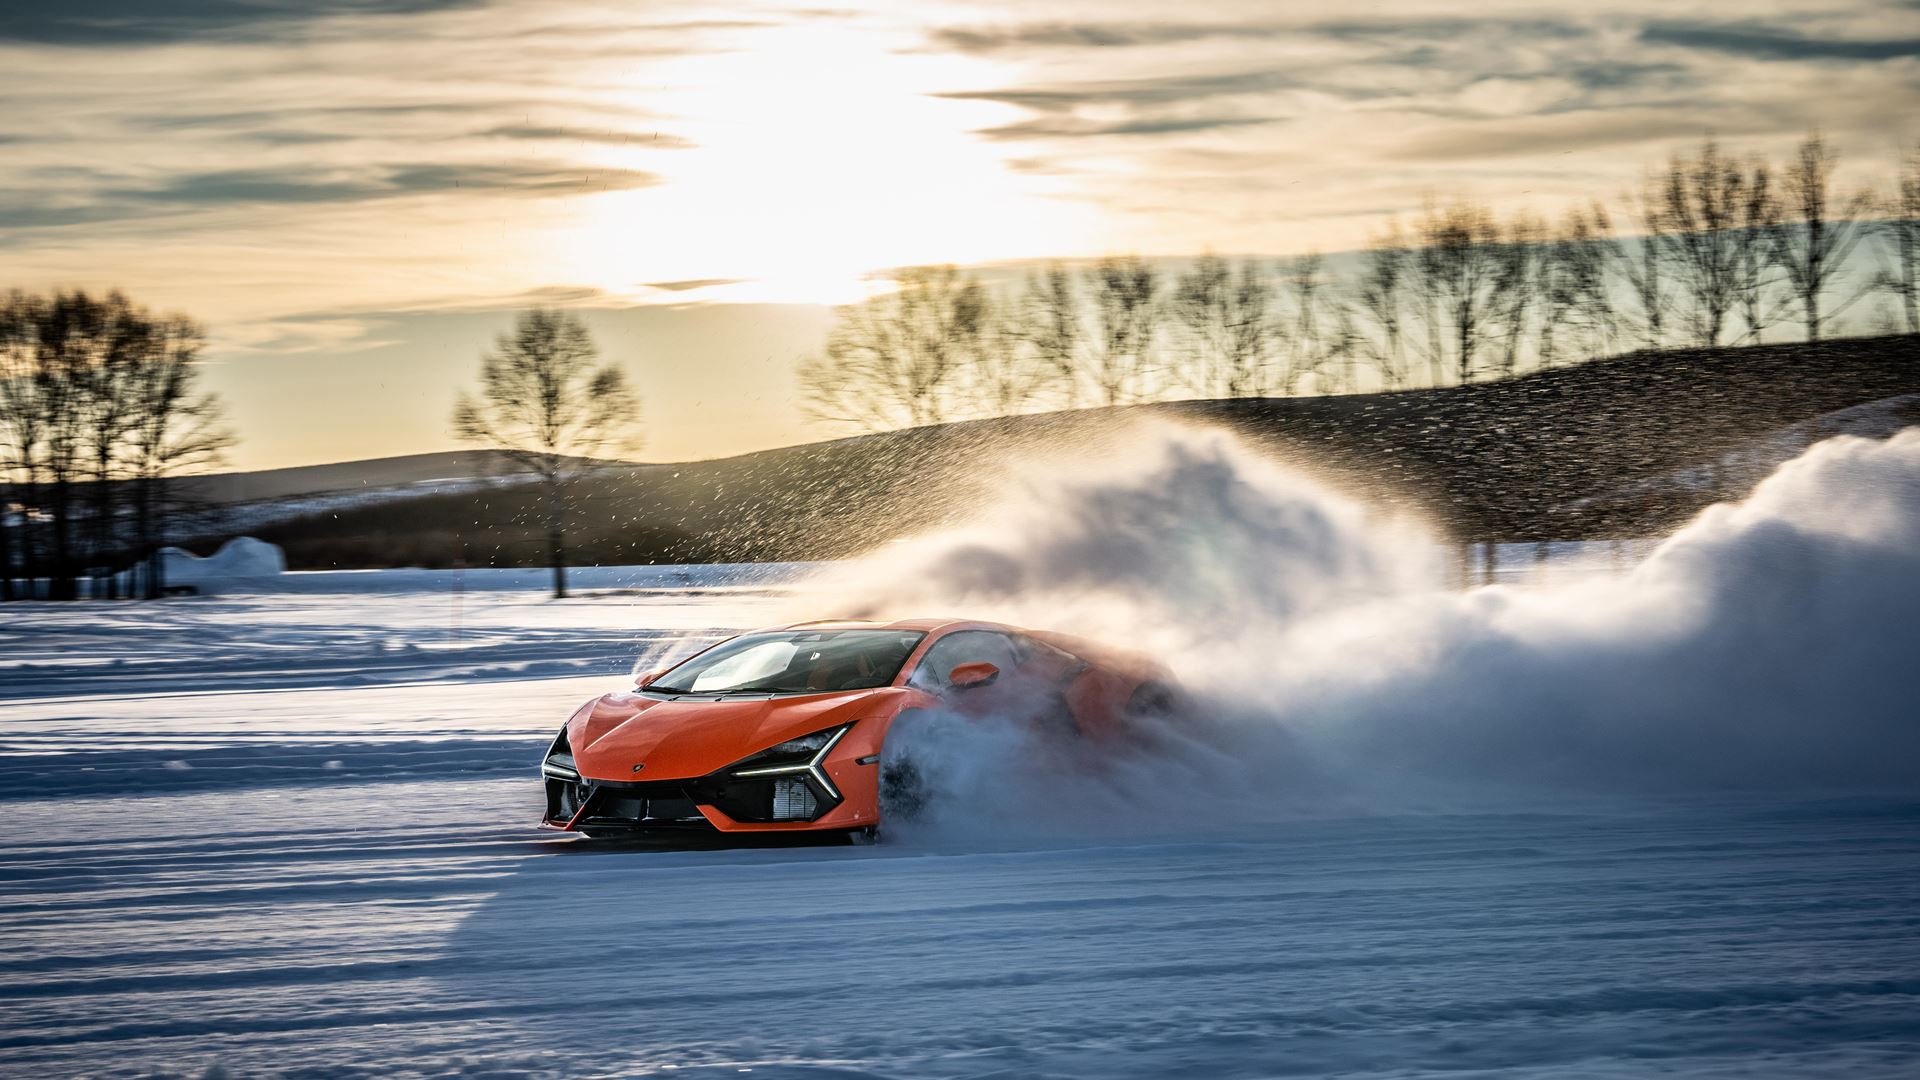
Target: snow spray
x=1771, y=644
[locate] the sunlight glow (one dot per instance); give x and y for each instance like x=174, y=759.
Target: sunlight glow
x=822, y=157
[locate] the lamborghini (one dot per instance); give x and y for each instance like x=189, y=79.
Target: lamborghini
x=783, y=730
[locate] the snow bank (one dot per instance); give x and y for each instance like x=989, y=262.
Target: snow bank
x=242, y=564
x=1767, y=645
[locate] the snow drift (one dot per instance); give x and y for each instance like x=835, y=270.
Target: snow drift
x=1767, y=645
x=243, y=564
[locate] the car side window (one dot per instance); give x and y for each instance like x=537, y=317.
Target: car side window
x=1032, y=645
x=963, y=647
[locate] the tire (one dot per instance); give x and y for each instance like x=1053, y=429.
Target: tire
x=903, y=790
x=1155, y=701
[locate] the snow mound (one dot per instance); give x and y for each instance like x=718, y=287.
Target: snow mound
x=243, y=564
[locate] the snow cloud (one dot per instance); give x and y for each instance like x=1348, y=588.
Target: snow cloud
x=1766, y=646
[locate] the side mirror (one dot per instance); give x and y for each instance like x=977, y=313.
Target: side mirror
x=968, y=676
x=640, y=681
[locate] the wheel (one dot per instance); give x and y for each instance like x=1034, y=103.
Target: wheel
x=1155, y=701
x=903, y=790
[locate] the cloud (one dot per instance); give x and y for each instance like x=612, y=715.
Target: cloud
x=1770, y=43
x=561, y=296
x=148, y=22
x=1089, y=35
x=1165, y=90
x=1621, y=74
x=646, y=140
x=73, y=197
x=980, y=40
x=28, y=209
x=415, y=122
x=1562, y=133
x=1063, y=128
x=690, y=284
x=1434, y=66
x=1148, y=108
x=294, y=185
x=355, y=114
x=1449, y=29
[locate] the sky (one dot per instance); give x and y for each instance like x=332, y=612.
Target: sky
x=356, y=196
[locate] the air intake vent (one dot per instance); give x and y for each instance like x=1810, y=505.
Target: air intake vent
x=793, y=801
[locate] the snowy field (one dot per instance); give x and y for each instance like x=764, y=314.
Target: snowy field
x=1548, y=829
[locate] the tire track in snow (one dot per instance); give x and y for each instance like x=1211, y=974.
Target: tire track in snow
x=1360, y=945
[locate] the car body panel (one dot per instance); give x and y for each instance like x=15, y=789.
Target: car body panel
x=688, y=735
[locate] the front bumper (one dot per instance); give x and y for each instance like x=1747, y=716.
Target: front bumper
x=836, y=789
x=716, y=802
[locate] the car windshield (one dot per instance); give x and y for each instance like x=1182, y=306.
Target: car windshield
x=793, y=662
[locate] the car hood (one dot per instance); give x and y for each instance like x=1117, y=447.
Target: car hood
x=679, y=738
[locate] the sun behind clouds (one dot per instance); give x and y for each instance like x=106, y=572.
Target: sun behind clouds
x=823, y=153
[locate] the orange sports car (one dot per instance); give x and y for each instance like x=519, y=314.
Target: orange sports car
x=782, y=730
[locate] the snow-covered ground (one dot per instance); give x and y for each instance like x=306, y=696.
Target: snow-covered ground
x=289, y=833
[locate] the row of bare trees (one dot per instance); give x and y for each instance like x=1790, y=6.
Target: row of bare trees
x=99, y=411
x=1722, y=250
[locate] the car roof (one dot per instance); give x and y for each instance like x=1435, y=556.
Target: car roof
x=924, y=625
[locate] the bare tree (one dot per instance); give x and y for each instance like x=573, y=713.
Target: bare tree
x=1228, y=321
x=545, y=405
x=1516, y=288
x=1381, y=296
x=1757, y=268
x=1004, y=375
x=1121, y=362
x=1315, y=328
x=1460, y=267
x=12, y=515
x=61, y=354
x=20, y=440
x=119, y=335
x=172, y=429
x=1704, y=239
x=1822, y=231
x=1577, y=313
x=1639, y=263
x=898, y=360
x=1901, y=233
x=49, y=342
x=1048, y=324
x=97, y=391
x=1340, y=343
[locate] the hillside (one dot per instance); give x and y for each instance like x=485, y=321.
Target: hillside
x=1625, y=446
x=337, y=478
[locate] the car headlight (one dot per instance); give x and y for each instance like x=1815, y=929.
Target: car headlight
x=800, y=785
x=792, y=756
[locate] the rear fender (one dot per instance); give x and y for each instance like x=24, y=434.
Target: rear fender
x=1098, y=699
